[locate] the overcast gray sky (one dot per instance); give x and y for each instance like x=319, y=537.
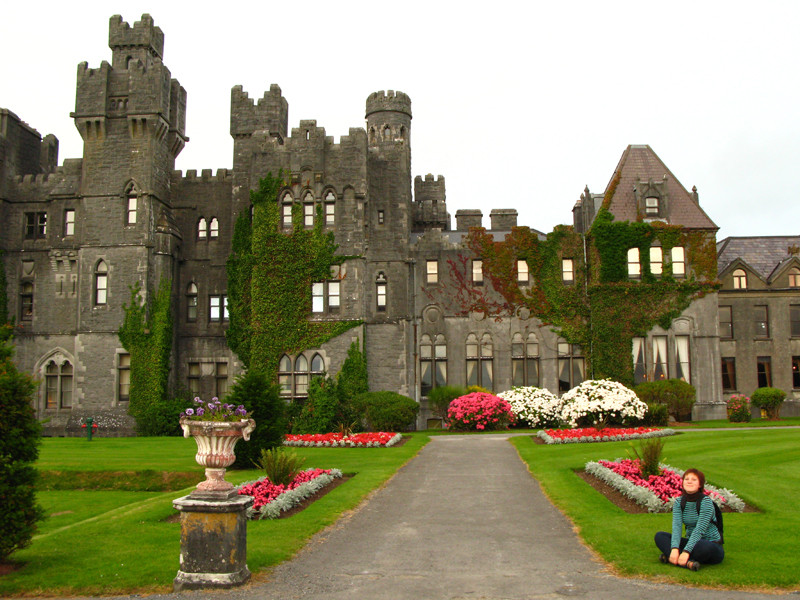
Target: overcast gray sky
x=517, y=105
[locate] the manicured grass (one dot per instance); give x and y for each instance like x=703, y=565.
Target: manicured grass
x=762, y=466
x=111, y=542
x=724, y=423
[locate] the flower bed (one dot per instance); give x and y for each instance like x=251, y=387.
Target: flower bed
x=271, y=500
x=607, y=434
x=657, y=492
x=379, y=439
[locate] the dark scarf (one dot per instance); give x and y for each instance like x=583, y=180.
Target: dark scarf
x=698, y=495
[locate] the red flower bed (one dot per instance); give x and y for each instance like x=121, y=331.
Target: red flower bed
x=264, y=491
x=666, y=486
x=356, y=440
x=608, y=434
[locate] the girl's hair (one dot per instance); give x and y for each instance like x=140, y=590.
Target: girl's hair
x=698, y=474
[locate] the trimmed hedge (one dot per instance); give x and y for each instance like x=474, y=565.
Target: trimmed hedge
x=386, y=411
x=770, y=400
x=678, y=395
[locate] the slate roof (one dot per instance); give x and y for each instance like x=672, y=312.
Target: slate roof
x=640, y=163
x=765, y=255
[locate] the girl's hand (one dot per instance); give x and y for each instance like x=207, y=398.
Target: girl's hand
x=683, y=559
x=673, y=556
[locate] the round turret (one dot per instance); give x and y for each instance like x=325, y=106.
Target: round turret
x=388, y=117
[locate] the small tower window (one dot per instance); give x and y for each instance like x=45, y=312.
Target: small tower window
x=330, y=208
x=26, y=301
x=739, y=279
x=132, y=205
x=308, y=210
x=69, y=222
x=651, y=206
x=213, y=228
x=101, y=284
x=387, y=133
x=191, y=303
x=380, y=292
x=202, y=228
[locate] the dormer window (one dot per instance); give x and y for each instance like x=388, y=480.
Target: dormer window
x=651, y=206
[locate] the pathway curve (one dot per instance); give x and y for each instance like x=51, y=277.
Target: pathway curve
x=447, y=527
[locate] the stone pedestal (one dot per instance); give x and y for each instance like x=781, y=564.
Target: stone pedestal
x=213, y=541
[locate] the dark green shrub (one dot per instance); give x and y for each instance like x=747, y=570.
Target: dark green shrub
x=351, y=380
x=19, y=449
x=322, y=411
x=386, y=411
x=678, y=395
x=770, y=400
x=657, y=415
x=439, y=398
x=279, y=465
x=262, y=400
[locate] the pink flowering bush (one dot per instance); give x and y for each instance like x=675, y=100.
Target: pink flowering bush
x=479, y=411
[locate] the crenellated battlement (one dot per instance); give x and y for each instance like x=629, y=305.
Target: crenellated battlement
x=271, y=113
x=222, y=174
x=144, y=34
x=388, y=101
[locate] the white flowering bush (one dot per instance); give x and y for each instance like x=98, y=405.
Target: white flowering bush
x=598, y=402
x=535, y=406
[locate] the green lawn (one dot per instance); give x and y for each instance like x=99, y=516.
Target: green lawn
x=111, y=542
x=762, y=466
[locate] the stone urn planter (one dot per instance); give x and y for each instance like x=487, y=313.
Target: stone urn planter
x=215, y=450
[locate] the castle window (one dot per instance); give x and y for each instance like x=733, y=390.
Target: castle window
x=656, y=260
x=523, y=276
x=381, y=217
x=567, y=270
x=480, y=361
x=682, y=362
x=634, y=268
x=334, y=298
x=317, y=297
x=35, y=225
x=651, y=206
x=213, y=228
x=217, y=308
x=330, y=208
x=432, y=363
x=286, y=210
x=432, y=271
x=726, y=322
x=191, y=303
x=477, y=272
x=202, y=229
x=794, y=277
x=660, y=357
x=58, y=385
x=739, y=279
x=524, y=360
x=26, y=301
x=402, y=133
x=639, y=365
x=794, y=320
x=728, y=374
x=317, y=366
x=308, y=210
x=132, y=204
x=221, y=379
x=387, y=132
x=301, y=376
x=764, y=371
x=193, y=379
x=796, y=372
x=123, y=377
x=101, y=284
x=678, y=257
x=761, y=321
x=285, y=375
x=571, y=366
x=380, y=292
x=69, y=222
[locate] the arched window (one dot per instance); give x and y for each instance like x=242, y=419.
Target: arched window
x=794, y=277
x=101, y=284
x=191, y=302
x=58, y=385
x=286, y=210
x=433, y=363
x=639, y=364
x=330, y=208
x=380, y=292
x=387, y=132
x=301, y=376
x=402, y=132
x=480, y=365
x=131, y=204
x=285, y=375
x=739, y=279
x=524, y=360
x=26, y=301
x=634, y=267
x=202, y=229
x=317, y=366
x=571, y=366
x=213, y=228
x=308, y=210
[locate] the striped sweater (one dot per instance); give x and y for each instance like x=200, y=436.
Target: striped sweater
x=697, y=526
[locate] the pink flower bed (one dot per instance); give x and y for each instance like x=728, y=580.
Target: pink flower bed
x=264, y=491
x=608, y=434
x=356, y=440
x=479, y=411
x=666, y=486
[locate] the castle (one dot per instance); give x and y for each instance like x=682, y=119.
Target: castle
x=76, y=237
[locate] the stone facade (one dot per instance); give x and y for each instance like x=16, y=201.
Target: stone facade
x=76, y=237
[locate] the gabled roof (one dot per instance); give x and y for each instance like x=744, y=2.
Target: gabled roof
x=762, y=254
x=639, y=163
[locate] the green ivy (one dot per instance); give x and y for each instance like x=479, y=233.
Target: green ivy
x=146, y=333
x=270, y=273
x=3, y=291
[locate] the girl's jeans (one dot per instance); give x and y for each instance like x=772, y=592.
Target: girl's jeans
x=705, y=552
